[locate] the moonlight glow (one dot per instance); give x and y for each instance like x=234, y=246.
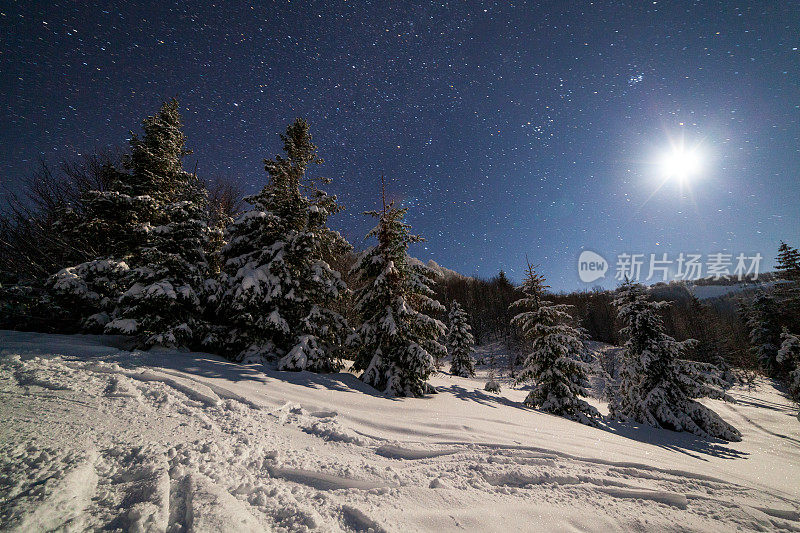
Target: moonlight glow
x=681, y=164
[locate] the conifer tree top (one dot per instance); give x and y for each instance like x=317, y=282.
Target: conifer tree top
x=393, y=234
x=156, y=158
x=534, y=285
x=502, y=279
x=289, y=172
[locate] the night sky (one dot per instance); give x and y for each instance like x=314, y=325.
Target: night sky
x=531, y=128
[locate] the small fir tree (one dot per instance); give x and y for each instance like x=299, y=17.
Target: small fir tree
x=554, y=364
x=277, y=290
x=460, y=342
x=656, y=387
x=89, y=291
x=492, y=385
x=108, y=225
x=788, y=263
x=111, y=225
x=723, y=369
x=397, y=342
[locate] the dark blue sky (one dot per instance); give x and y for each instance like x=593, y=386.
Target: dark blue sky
x=508, y=129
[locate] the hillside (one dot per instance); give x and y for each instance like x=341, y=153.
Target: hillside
x=95, y=436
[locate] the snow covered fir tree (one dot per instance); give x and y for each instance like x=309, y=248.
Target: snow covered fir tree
x=492, y=385
x=460, y=342
x=153, y=224
x=276, y=290
x=396, y=345
x=163, y=305
x=554, y=363
x=112, y=223
x=656, y=387
x=88, y=293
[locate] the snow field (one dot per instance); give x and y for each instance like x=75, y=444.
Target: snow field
x=96, y=437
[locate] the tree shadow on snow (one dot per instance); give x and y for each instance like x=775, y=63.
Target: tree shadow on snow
x=677, y=441
x=681, y=442
x=120, y=349
x=196, y=363
x=753, y=401
x=341, y=381
x=481, y=397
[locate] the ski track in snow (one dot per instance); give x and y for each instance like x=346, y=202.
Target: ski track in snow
x=113, y=441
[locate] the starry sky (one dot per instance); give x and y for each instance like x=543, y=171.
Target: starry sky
x=508, y=129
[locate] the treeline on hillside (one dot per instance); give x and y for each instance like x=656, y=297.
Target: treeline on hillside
x=487, y=304
x=717, y=323
x=132, y=243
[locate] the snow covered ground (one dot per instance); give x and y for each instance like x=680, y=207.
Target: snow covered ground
x=97, y=437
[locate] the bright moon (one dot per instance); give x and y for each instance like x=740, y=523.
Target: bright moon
x=681, y=164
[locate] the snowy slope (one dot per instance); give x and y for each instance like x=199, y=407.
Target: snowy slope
x=443, y=272
x=94, y=436
x=706, y=291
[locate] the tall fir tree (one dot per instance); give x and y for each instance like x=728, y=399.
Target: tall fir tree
x=397, y=342
x=460, y=342
x=163, y=305
x=789, y=356
x=554, y=364
x=148, y=230
x=656, y=387
x=764, y=326
x=277, y=289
